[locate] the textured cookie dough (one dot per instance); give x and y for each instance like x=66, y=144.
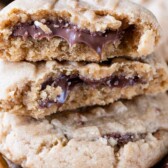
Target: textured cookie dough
x=40, y=89
x=125, y=134
x=159, y=9
x=135, y=30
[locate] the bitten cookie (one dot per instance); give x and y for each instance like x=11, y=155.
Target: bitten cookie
x=40, y=89
x=76, y=30
x=126, y=134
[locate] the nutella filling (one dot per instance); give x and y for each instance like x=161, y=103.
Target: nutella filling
x=69, y=32
x=67, y=83
x=123, y=139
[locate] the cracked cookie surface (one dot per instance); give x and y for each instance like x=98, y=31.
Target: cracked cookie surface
x=124, y=134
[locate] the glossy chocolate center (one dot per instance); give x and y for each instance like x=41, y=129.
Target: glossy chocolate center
x=67, y=83
x=71, y=33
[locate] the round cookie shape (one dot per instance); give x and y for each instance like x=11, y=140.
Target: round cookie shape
x=96, y=137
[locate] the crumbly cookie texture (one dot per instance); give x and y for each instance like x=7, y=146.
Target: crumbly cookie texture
x=159, y=9
x=134, y=25
x=125, y=134
x=40, y=89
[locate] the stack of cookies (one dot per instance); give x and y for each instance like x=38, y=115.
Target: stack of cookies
x=81, y=86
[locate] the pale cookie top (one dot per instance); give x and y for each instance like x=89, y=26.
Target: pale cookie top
x=98, y=137
x=97, y=15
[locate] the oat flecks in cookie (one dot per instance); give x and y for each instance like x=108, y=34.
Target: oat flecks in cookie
x=96, y=137
x=34, y=38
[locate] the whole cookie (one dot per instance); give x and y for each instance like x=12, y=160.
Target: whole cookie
x=125, y=134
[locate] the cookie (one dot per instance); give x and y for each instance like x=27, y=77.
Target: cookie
x=9, y=164
x=76, y=30
x=124, y=134
x=40, y=89
x=159, y=8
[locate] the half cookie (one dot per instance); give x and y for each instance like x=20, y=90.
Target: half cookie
x=126, y=134
x=76, y=30
x=43, y=88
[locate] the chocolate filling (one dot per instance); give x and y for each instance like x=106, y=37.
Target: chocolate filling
x=71, y=33
x=67, y=83
x=123, y=139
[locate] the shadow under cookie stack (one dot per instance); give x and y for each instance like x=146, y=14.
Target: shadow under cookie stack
x=81, y=86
